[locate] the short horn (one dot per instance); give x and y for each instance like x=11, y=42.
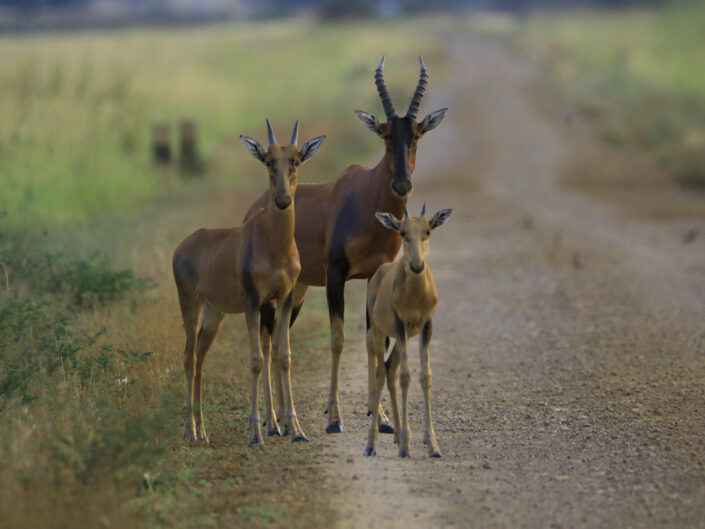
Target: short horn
x=382, y=89
x=270, y=134
x=295, y=134
x=420, y=89
x=406, y=212
x=423, y=210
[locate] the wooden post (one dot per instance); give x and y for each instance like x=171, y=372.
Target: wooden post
x=190, y=162
x=161, y=149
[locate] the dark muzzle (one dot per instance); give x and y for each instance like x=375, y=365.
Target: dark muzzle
x=282, y=202
x=402, y=187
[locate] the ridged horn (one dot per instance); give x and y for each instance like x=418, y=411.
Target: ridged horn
x=420, y=89
x=295, y=134
x=423, y=210
x=270, y=134
x=382, y=89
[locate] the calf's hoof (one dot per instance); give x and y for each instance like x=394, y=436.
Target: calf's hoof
x=256, y=442
x=435, y=455
x=334, y=428
x=274, y=432
x=300, y=439
x=370, y=452
x=403, y=453
x=386, y=428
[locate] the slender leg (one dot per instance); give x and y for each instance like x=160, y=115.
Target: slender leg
x=191, y=312
x=392, y=371
x=380, y=372
x=405, y=380
x=266, y=312
x=211, y=323
x=281, y=330
x=252, y=318
x=372, y=360
x=429, y=434
x=335, y=292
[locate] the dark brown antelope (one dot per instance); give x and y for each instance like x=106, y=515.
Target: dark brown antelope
x=235, y=270
x=336, y=232
x=401, y=299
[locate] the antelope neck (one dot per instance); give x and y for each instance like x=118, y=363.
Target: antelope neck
x=279, y=225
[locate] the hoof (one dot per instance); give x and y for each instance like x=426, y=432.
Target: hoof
x=403, y=453
x=370, y=452
x=273, y=433
x=300, y=439
x=386, y=428
x=286, y=432
x=334, y=428
x=436, y=455
x=258, y=442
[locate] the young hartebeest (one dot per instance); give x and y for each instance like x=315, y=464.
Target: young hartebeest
x=401, y=299
x=235, y=270
x=336, y=232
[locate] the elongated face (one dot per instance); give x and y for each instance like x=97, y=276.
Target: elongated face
x=282, y=162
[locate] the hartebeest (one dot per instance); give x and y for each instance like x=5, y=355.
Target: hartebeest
x=401, y=299
x=336, y=232
x=235, y=270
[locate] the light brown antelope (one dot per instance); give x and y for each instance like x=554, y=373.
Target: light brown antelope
x=401, y=299
x=336, y=232
x=235, y=270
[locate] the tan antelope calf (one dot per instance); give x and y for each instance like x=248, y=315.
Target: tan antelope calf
x=235, y=270
x=401, y=299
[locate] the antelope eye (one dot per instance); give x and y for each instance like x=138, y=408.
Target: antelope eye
x=297, y=162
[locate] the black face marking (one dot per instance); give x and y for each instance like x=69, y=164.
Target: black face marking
x=183, y=272
x=266, y=312
x=402, y=136
x=399, y=328
x=251, y=294
x=294, y=314
x=426, y=332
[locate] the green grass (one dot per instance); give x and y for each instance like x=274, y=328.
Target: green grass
x=78, y=109
x=637, y=72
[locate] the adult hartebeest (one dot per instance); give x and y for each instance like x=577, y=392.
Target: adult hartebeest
x=237, y=270
x=336, y=232
x=401, y=299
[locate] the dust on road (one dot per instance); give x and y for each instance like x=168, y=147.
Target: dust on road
x=568, y=353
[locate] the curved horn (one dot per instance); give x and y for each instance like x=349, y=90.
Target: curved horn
x=420, y=89
x=406, y=212
x=382, y=89
x=270, y=134
x=423, y=210
x=295, y=134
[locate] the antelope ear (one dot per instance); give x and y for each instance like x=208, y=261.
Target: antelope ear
x=388, y=221
x=440, y=218
x=369, y=121
x=431, y=121
x=310, y=148
x=254, y=148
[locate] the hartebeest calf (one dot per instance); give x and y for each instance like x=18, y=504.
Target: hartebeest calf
x=336, y=232
x=401, y=299
x=235, y=270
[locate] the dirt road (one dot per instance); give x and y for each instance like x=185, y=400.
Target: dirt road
x=569, y=343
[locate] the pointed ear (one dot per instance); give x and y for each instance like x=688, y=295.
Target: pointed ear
x=431, y=121
x=369, y=121
x=440, y=218
x=388, y=221
x=254, y=148
x=310, y=148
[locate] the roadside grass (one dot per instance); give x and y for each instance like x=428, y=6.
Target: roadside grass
x=636, y=72
x=78, y=109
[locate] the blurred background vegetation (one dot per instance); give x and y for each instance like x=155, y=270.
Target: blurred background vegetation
x=90, y=339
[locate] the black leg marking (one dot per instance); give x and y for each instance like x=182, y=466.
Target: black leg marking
x=367, y=317
x=335, y=290
x=426, y=332
x=386, y=343
x=251, y=294
x=267, y=312
x=338, y=264
x=295, y=314
x=183, y=272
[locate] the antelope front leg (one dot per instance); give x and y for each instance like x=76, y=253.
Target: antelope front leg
x=392, y=365
x=372, y=361
x=281, y=331
x=404, y=382
x=335, y=291
x=252, y=318
x=378, y=383
x=429, y=437
x=265, y=332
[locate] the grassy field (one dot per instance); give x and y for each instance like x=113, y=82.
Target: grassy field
x=637, y=72
x=91, y=387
